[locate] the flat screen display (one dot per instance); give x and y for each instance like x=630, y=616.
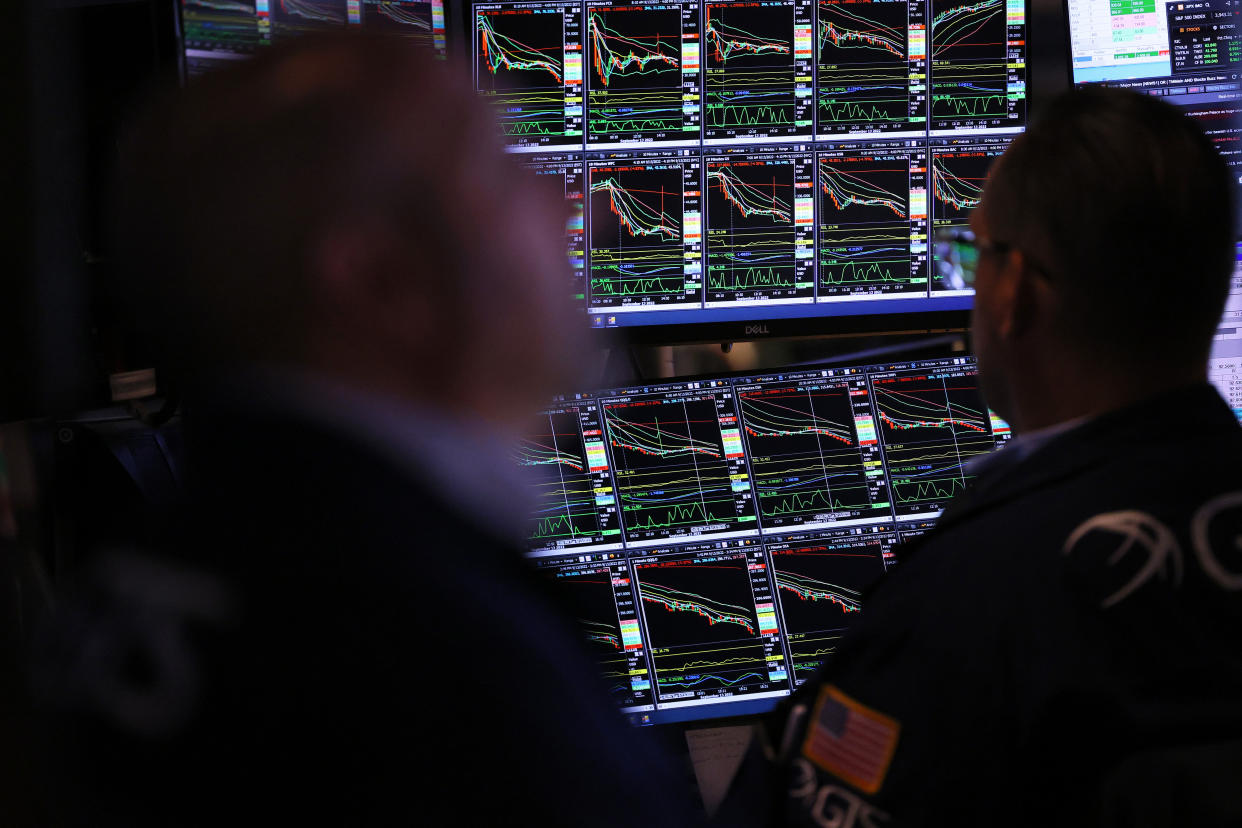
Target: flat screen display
x=714, y=537
x=749, y=164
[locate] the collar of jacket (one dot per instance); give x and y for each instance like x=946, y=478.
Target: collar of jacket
x=1166, y=417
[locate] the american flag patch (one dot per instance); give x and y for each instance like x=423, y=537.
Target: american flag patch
x=850, y=740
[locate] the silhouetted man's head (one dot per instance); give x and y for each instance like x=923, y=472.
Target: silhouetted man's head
x=344, y=204
x=1106, y=249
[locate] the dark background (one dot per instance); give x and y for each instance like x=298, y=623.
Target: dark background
x=74, y=70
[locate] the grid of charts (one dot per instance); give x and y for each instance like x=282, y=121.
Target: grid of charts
x=732, y=153
x=714, y=537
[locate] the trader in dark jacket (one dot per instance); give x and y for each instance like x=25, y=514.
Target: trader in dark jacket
x=368, y=299
x=1062, y=648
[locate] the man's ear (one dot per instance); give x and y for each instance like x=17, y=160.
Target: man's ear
x=1023, y=300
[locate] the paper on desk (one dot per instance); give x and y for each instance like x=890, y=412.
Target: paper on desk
x=716, y=753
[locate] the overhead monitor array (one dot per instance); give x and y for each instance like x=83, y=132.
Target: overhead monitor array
x=756, y=159
x=714, y=536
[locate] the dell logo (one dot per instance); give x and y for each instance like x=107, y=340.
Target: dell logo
x=751, y=330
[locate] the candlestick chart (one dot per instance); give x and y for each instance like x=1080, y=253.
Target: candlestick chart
x=863, y=74
x=291, y=18
x=930, y=427
x=574, y=502
x=753, y=240
x=634, y=85
x=958, y=176
x=636, y=240
x=601, y=598
x=804, y=454
x=220, y=24
x=678, y=467
x=820, y=585
x=520, y=67
x=969, y=60
x=865, y=226
x=709, y=632
x=749, y=70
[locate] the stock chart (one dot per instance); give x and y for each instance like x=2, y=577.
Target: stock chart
x=568, y=467
x=873, y=221
x=757, y=78
x=870, y=63
x=760, y=234
x=819, y=582
x=753, y=514
x=977, y=63
x=711, y=622
x=291, y=18
x=959, y=168
x=231, y=25
x=931, y=424
x=643, y=73
x=645, y=232
x=679, y=463
x=813, y=452
x=528, y=63
x=601, y=597
x=413, y=20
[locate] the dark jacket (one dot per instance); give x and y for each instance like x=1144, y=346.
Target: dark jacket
x=1067, y=634
x=334, y=643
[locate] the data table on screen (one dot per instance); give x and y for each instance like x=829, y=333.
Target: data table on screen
x=1188, y=53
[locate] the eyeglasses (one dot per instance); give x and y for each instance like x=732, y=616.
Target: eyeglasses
x=955, y=251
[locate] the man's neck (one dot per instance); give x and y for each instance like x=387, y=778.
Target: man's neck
x=1071, y=396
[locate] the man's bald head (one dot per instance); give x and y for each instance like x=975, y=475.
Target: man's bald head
x=1106, y=249
x=272, y=207
x=1126, y=205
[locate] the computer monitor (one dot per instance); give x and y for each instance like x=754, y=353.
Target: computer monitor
x=1225, y=362
x=213, y=31
x=714, y=536
x=1189, y=52
x=741, y=169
